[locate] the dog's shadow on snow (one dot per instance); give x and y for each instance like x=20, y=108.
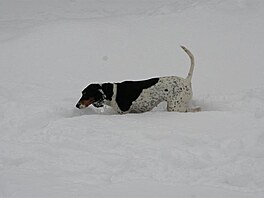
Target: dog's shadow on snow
x=106, y=110
x=89, y=111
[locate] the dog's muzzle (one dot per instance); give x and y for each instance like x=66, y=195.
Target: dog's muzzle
x=84, y=103
x=80, y=106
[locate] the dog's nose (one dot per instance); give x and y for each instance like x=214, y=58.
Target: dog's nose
x=78, y=105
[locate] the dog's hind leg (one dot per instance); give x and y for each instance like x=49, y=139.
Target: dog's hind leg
x=173, y=106
x=177, y=104
x=179, y=101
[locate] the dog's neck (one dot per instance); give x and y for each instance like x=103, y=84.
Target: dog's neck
x=108, y=90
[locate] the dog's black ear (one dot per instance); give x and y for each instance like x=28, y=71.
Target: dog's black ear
x=108, y=90
x=91, y=89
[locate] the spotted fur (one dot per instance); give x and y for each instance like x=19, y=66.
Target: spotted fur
x=142, y=96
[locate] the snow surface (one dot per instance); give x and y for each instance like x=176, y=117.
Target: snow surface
x=51, y=50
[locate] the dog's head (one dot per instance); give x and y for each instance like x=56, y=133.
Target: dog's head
x=92, y=94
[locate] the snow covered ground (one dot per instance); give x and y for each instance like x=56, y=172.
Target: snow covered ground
x=51, y=50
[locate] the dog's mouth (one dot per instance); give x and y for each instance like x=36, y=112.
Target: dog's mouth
x=85, y=103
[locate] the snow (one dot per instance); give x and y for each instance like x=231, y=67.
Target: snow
x=51, y=50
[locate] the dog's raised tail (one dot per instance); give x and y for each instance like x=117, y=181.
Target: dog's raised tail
x=189, y=77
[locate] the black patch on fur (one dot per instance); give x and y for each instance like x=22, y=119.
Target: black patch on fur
x=108, y=90
x=129, y=91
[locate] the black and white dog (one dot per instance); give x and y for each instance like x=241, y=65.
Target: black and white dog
x=142, y=96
